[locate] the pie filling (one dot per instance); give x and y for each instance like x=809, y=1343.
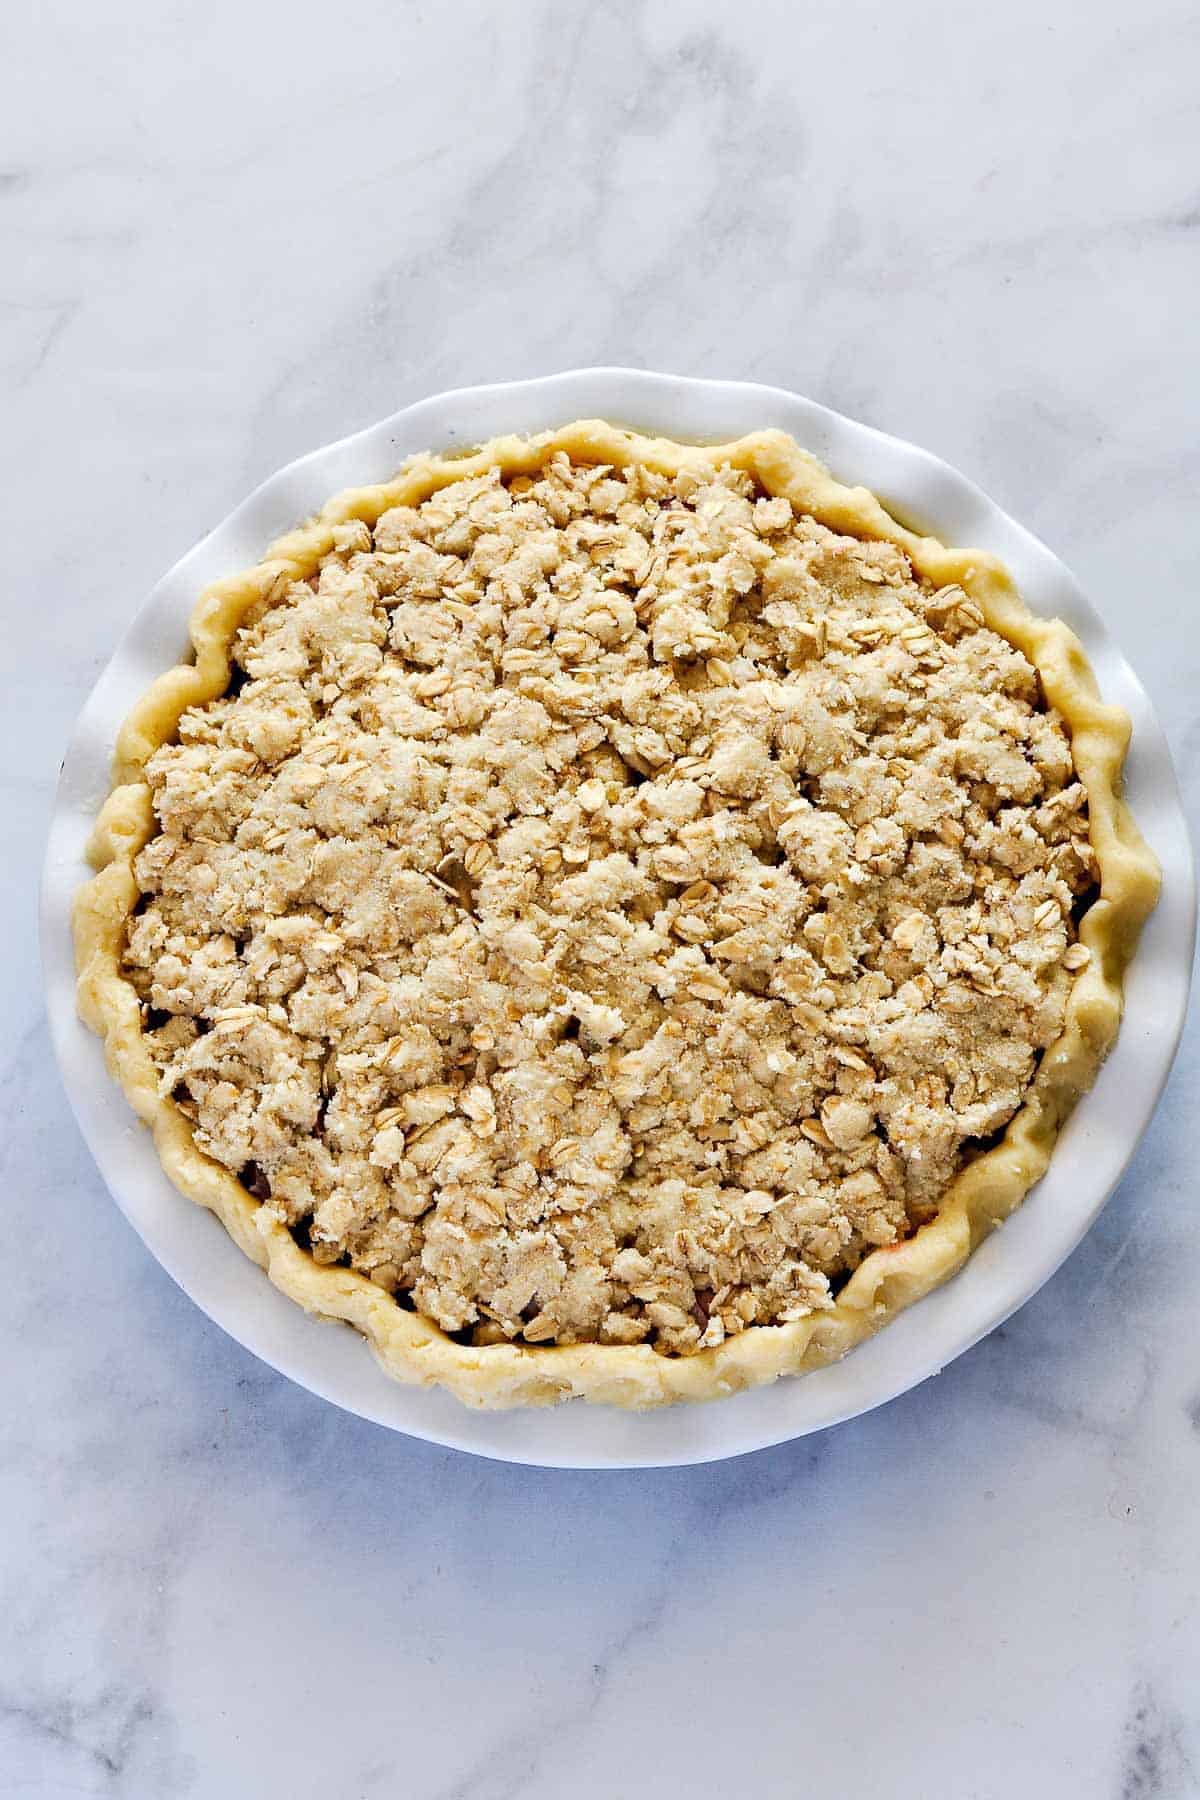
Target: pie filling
x=605, y=906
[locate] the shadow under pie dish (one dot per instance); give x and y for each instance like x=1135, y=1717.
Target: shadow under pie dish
x=612, y=917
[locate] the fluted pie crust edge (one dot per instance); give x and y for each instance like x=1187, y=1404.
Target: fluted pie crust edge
x=411, y=1348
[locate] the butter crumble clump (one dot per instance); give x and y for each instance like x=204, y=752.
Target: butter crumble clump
x=605, y=906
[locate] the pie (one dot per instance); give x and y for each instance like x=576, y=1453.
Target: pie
x=609, y=917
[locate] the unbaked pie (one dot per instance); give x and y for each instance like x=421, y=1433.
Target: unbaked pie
x=612, y=918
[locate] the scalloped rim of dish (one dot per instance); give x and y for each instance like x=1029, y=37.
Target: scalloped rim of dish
x=1092, y=1152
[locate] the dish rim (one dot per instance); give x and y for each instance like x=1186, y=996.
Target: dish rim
x=922, y=490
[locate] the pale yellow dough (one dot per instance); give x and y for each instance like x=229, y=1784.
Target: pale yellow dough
x=411, y=1347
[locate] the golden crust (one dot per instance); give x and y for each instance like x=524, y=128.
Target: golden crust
x=413, y=1349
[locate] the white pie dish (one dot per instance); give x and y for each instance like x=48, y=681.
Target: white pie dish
x=1092, y=1150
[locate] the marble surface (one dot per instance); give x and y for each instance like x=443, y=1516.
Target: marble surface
x=225, y=238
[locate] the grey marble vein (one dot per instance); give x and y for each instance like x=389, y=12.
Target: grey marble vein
x=1156, y=1764
x=229, y=233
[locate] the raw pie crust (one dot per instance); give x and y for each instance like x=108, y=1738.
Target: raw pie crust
x=612, y=904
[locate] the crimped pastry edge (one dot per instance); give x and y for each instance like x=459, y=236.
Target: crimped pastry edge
x=413, y=1349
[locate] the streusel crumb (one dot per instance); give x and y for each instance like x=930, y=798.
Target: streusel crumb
x=604, y=907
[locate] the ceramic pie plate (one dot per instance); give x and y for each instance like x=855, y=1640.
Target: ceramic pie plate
x=332, y=1360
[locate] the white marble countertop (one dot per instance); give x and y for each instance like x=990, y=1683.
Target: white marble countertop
x=231, y=232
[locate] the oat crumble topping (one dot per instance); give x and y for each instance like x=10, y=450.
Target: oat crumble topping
x=606, y=906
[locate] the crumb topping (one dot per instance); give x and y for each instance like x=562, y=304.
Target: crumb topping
x=605, y=906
